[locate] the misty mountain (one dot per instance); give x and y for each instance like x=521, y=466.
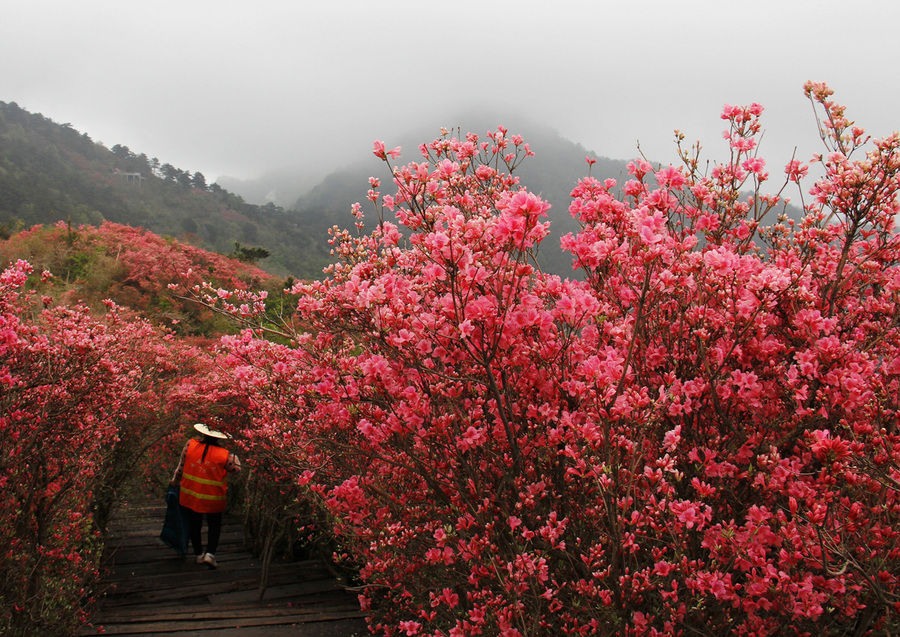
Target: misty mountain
x=50, y=172
x=280, y=187
x=553, y=172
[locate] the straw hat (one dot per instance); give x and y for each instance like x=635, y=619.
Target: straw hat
x=206, y=431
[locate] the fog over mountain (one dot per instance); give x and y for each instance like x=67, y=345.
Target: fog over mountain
x=244, y=91
x=290, y=188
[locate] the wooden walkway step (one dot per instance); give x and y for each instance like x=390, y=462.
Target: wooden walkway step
x=150, y=590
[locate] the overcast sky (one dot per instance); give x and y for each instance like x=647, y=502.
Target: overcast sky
x=240, y=88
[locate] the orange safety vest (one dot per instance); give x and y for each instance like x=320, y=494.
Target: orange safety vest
x=203, y=484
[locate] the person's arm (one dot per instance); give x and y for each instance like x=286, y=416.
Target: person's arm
x=179, y=470
x=233, y=464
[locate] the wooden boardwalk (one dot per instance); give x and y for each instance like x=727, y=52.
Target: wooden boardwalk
x=150, y=590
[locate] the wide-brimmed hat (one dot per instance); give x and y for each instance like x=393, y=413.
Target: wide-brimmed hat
x=212, y=433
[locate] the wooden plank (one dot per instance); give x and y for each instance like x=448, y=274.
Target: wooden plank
x=133, y=614
x=217, y=592
x=229, y=536
x=325, y=626
x=286, y=595
x=190, y=574
x=148, y=532
x=165, y=560
x=161, y=553
x=297, y=591
x=143, y=575
x=218, y=623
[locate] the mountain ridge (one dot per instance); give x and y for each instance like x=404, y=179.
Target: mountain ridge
x=50, y=172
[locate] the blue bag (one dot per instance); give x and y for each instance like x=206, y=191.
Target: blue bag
x=175, y=527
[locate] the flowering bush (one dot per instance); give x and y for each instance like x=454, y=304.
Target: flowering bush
x=699, y=438
x=81, y=399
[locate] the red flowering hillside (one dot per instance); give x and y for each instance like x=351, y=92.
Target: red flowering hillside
x=134, y=268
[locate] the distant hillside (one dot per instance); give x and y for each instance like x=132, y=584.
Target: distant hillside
x=50, y=172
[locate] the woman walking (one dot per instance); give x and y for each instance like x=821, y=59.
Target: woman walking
x=202, y=474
